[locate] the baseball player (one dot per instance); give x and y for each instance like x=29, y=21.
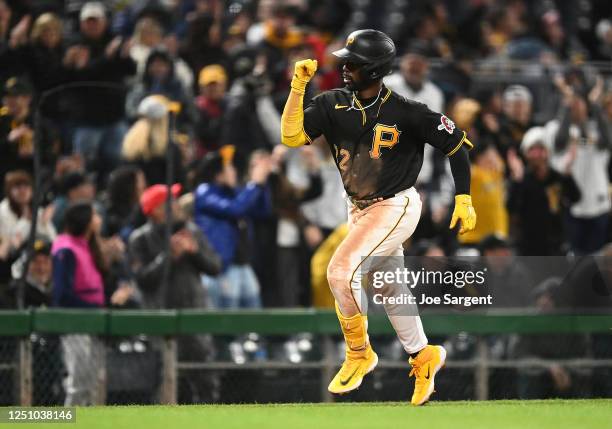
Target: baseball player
x=377, y=138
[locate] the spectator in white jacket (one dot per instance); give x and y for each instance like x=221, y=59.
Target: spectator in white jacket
x=16, y=219
x=581, y=126
x=412, y=82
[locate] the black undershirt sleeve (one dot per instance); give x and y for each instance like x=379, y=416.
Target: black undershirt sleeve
x=460, y=168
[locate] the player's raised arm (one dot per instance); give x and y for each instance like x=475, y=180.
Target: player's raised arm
x=292, y=120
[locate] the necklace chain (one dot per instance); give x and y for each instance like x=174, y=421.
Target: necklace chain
x=366, y=107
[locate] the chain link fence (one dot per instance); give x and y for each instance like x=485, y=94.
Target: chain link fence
x=8, y=371
x=80, y=369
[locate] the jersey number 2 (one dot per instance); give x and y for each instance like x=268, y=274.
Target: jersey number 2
x=384, y=136
x=342, y=156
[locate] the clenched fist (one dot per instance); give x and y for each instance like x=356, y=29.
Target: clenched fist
x=304, y=71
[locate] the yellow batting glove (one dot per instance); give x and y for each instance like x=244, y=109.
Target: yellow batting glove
x=464, y=211
x=304, y=71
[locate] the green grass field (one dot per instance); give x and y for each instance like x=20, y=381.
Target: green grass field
x=554, y=414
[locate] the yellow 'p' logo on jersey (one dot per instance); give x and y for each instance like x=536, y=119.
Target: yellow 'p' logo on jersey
x=384, y=136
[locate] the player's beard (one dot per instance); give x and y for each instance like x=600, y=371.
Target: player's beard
x=353, y=86
x=361, y=84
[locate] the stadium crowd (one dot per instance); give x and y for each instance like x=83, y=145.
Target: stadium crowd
x=119, y=84
x=120, y=95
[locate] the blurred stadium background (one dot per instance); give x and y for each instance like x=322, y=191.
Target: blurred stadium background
x=250, y=320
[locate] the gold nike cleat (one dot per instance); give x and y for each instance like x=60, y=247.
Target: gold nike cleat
x=356, y=365
x=425, y=367
x=360, y=358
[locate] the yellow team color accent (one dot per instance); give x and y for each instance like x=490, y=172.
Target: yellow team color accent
x=384, y=136
x=344, y=156
x=340, y=106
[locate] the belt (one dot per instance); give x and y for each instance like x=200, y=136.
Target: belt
x=365, y=203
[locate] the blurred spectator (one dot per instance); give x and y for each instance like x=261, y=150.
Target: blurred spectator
x=487, y=124
x=47, y=367
x=507, y=279
x=16, y=127
x=147, y=142
x=119, y=288
x=75, y=186
x=517, y=105
x=78, y=263
x=588, y=286
x=328, y=70
x=287, y=199
x=604, y=33
x=608, y=116
x=222, y=211
x=202, y=43
x=466, y=112
x=249, y=104
x=14, y=28
x=327, y=211
x=16, y=218
x=588, y=290
x=433, y=222
x=122, y=209
x=190, y=255
x=171, y=278
x=455, y=78
x=43, y=56
x=210, y=105
x=159, y=78
x=488, y=191
x=321, y=294
x=280, y=34
x=581, y=126
x=5, y=21
x=78, y=267
x=97, y=114
x=426, y=28
x=148, y=36
x=565, y=46
x=505, y=21
x=17, y=130
x=554, y=380
x=38, y=284
x=540, y=196
x=412, y=79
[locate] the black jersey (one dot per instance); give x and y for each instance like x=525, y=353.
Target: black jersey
x=379, y=149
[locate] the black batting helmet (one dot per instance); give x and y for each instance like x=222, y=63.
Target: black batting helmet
x=371, y=48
